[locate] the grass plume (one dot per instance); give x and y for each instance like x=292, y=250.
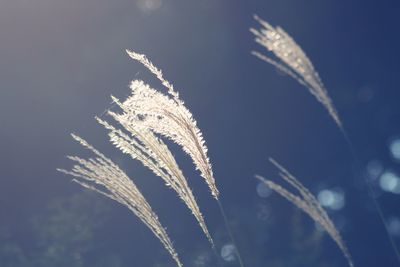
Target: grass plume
x=167, y=115
x=294, y=62
x=307, y=203
x=141, y=144
x=102, y=175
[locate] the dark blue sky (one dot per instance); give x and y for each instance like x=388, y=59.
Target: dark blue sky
x=61, y=61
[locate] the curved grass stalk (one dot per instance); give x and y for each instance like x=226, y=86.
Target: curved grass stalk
x=167, y=115
x=102, y=175
x=307, y=203
x=152, y=152
x=294, y=62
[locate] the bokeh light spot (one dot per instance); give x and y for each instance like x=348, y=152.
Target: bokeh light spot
x=263, y=190
x=264, y=212
x=228, y=252
x=390, y=182
x=394, y=226
x=149, y=5
x=374, y=169
x=333, y=199
x=394, y=147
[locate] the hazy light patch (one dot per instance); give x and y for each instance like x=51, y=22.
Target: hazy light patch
x=202, y=260
x=394, y=226
x=333, y=199
x=390, y=182
x=394, y=147
x=264, y=212
x=263, y=190
x=374, y=169
x=149, y=5
x=228, y=252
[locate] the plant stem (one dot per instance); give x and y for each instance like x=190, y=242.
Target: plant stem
x=371, y=193
x=228, y=228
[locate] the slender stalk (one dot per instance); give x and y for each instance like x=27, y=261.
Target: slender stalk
x=167, y=116
x=229, y=230
x=294, y=62
x=217, y=256
x=371, y=193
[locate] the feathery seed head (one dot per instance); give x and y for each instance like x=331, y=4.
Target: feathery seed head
x=294, y=62
x=105, y=177
x=307, y=202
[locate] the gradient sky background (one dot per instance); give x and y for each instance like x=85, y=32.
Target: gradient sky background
x=61, y=61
